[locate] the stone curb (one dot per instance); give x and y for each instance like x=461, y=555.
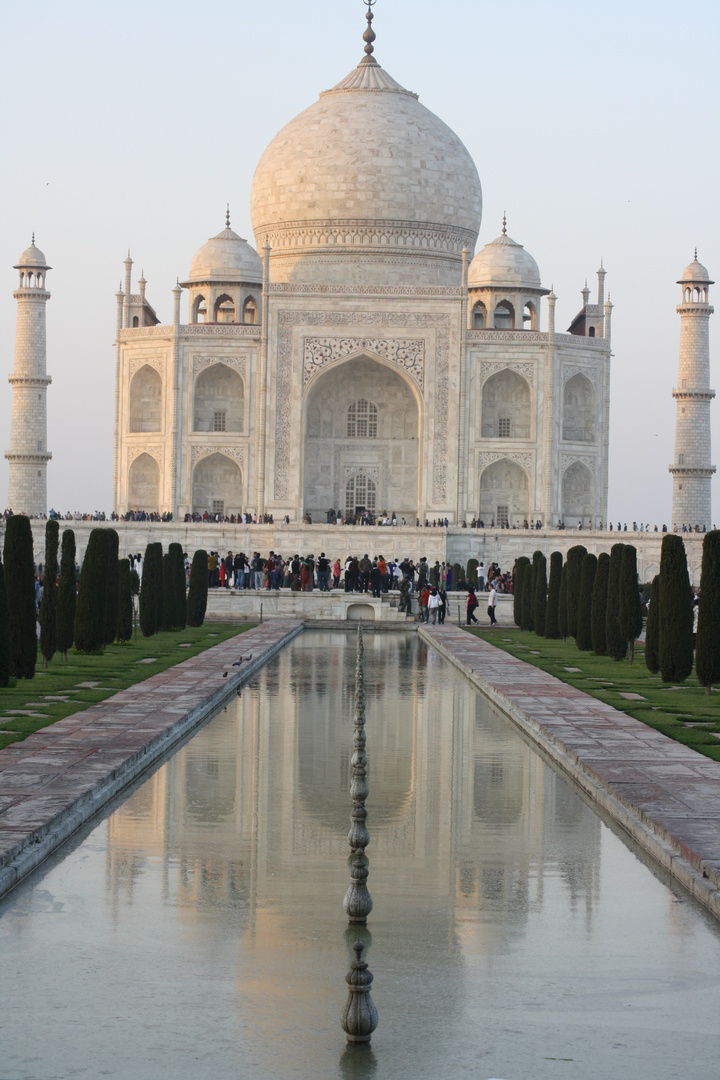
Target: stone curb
x=22, y=850
x=697, y=874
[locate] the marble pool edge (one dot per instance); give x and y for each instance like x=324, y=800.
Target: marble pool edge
x=696, y=865
x=54, y=781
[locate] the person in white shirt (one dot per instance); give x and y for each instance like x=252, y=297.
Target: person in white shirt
x=433, y=605
x=492, y=603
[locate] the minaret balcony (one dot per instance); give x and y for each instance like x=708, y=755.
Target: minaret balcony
x=28, y=459
x=698, y=395
x=691, y=471
x=30, y=380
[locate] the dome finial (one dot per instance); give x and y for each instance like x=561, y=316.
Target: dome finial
x=33, y=244
x=504, y=232
x=227, y=216
x=369, y=35
x=696, y=259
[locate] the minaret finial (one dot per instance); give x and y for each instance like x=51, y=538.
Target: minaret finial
x=695, y=248
x=504, y=224
x=227, y=216
x=33, y=240
x=369, y=35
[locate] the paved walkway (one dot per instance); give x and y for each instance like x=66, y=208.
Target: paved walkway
x=665, y=794
x=56, y=779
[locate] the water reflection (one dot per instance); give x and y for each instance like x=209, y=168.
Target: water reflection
x=209, y=902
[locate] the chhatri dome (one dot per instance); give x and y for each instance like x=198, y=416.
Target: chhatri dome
x=505, y=264
x=32, y=258
x=226, y=257
x=364, y=176
x=695, y=274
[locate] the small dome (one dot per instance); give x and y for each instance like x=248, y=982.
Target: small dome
x=224, y=258
x=505, y=264
x=33, y=258
x=695, y=274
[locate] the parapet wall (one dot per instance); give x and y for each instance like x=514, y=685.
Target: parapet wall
x=502, y=546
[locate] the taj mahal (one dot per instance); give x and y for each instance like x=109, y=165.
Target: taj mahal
x=362, y=357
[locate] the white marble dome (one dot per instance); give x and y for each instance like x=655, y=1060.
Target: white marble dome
x=504, y=264
x=367, y=170
x=32, y=258
x=226, y=258
x=695, y=273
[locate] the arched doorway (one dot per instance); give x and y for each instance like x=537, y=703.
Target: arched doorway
x=217, y=486
x=144, y=484
x=362, y=424
x=577, y=495
x=219, y=400
x=506, y=402
x=146, y=400
x=504, y=493
x=579, y=410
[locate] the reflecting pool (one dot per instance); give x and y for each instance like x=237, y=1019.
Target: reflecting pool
x=198, y=931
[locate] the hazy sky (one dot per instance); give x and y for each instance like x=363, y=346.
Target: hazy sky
x=594, y=126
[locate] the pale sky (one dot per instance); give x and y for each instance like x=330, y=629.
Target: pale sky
x=594, y=126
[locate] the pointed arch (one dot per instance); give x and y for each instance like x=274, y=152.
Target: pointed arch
x=146, y=400
x=579, y=410
x=144, y=484
x=219, y=399
x=504, y=493
x=506, y=406
x=577, y=494
x=217, y=485
x=224, y=309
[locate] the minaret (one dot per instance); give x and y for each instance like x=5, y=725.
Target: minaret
x=28, y=454
x=691, y=470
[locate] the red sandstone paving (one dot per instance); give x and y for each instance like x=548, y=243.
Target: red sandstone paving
x=45, y=775
x=675, y=789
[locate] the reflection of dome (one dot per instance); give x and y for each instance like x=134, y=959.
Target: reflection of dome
x=506, y=264
x=226, y=257
x=695, y=273
x=32, y=257
x=367, y=168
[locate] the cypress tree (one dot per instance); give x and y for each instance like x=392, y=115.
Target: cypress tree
x=583, y=637
x=629, y=607
x=652, y=630
x=574, y=563
x=20, y=588
x=92, y=594
x=471, y=573
x=599, y=605
x=518, y=580
x=197, y=593
x=169, y=618
x=5, y=649
x=179, y=591
x=527, y=596
x=457, y=573
x=562, y=604
x=151, y=591
x=552, y=629
x=676, y=614
x=48, y=604
x=112, y=595
x=707, y=645
x=67, y=591
x=540, y=598
x=125, y=603
x=615, y=642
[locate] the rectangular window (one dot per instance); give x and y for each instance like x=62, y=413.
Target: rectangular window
x=504, y=427
x=218, y=506
x=39, y=444
x=501, y=518
x=684, y=384
x=681, y=459
x=220, y=421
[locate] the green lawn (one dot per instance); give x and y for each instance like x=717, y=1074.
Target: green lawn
x=684, y=711
x=84, y=680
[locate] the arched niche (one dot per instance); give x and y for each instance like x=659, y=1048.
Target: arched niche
x=577, y=495
x=360, y=493
x=506, y=402
x=217, y=486
x=224, y=311
x=504, y=316
x=198, y=313
x=579, y=421
x=478, y=320
x=383, y=446
x=146, y=400
x=144, y=484
x=504, y=493
x=530, y=315
x=219, y=400
x=250, y=312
